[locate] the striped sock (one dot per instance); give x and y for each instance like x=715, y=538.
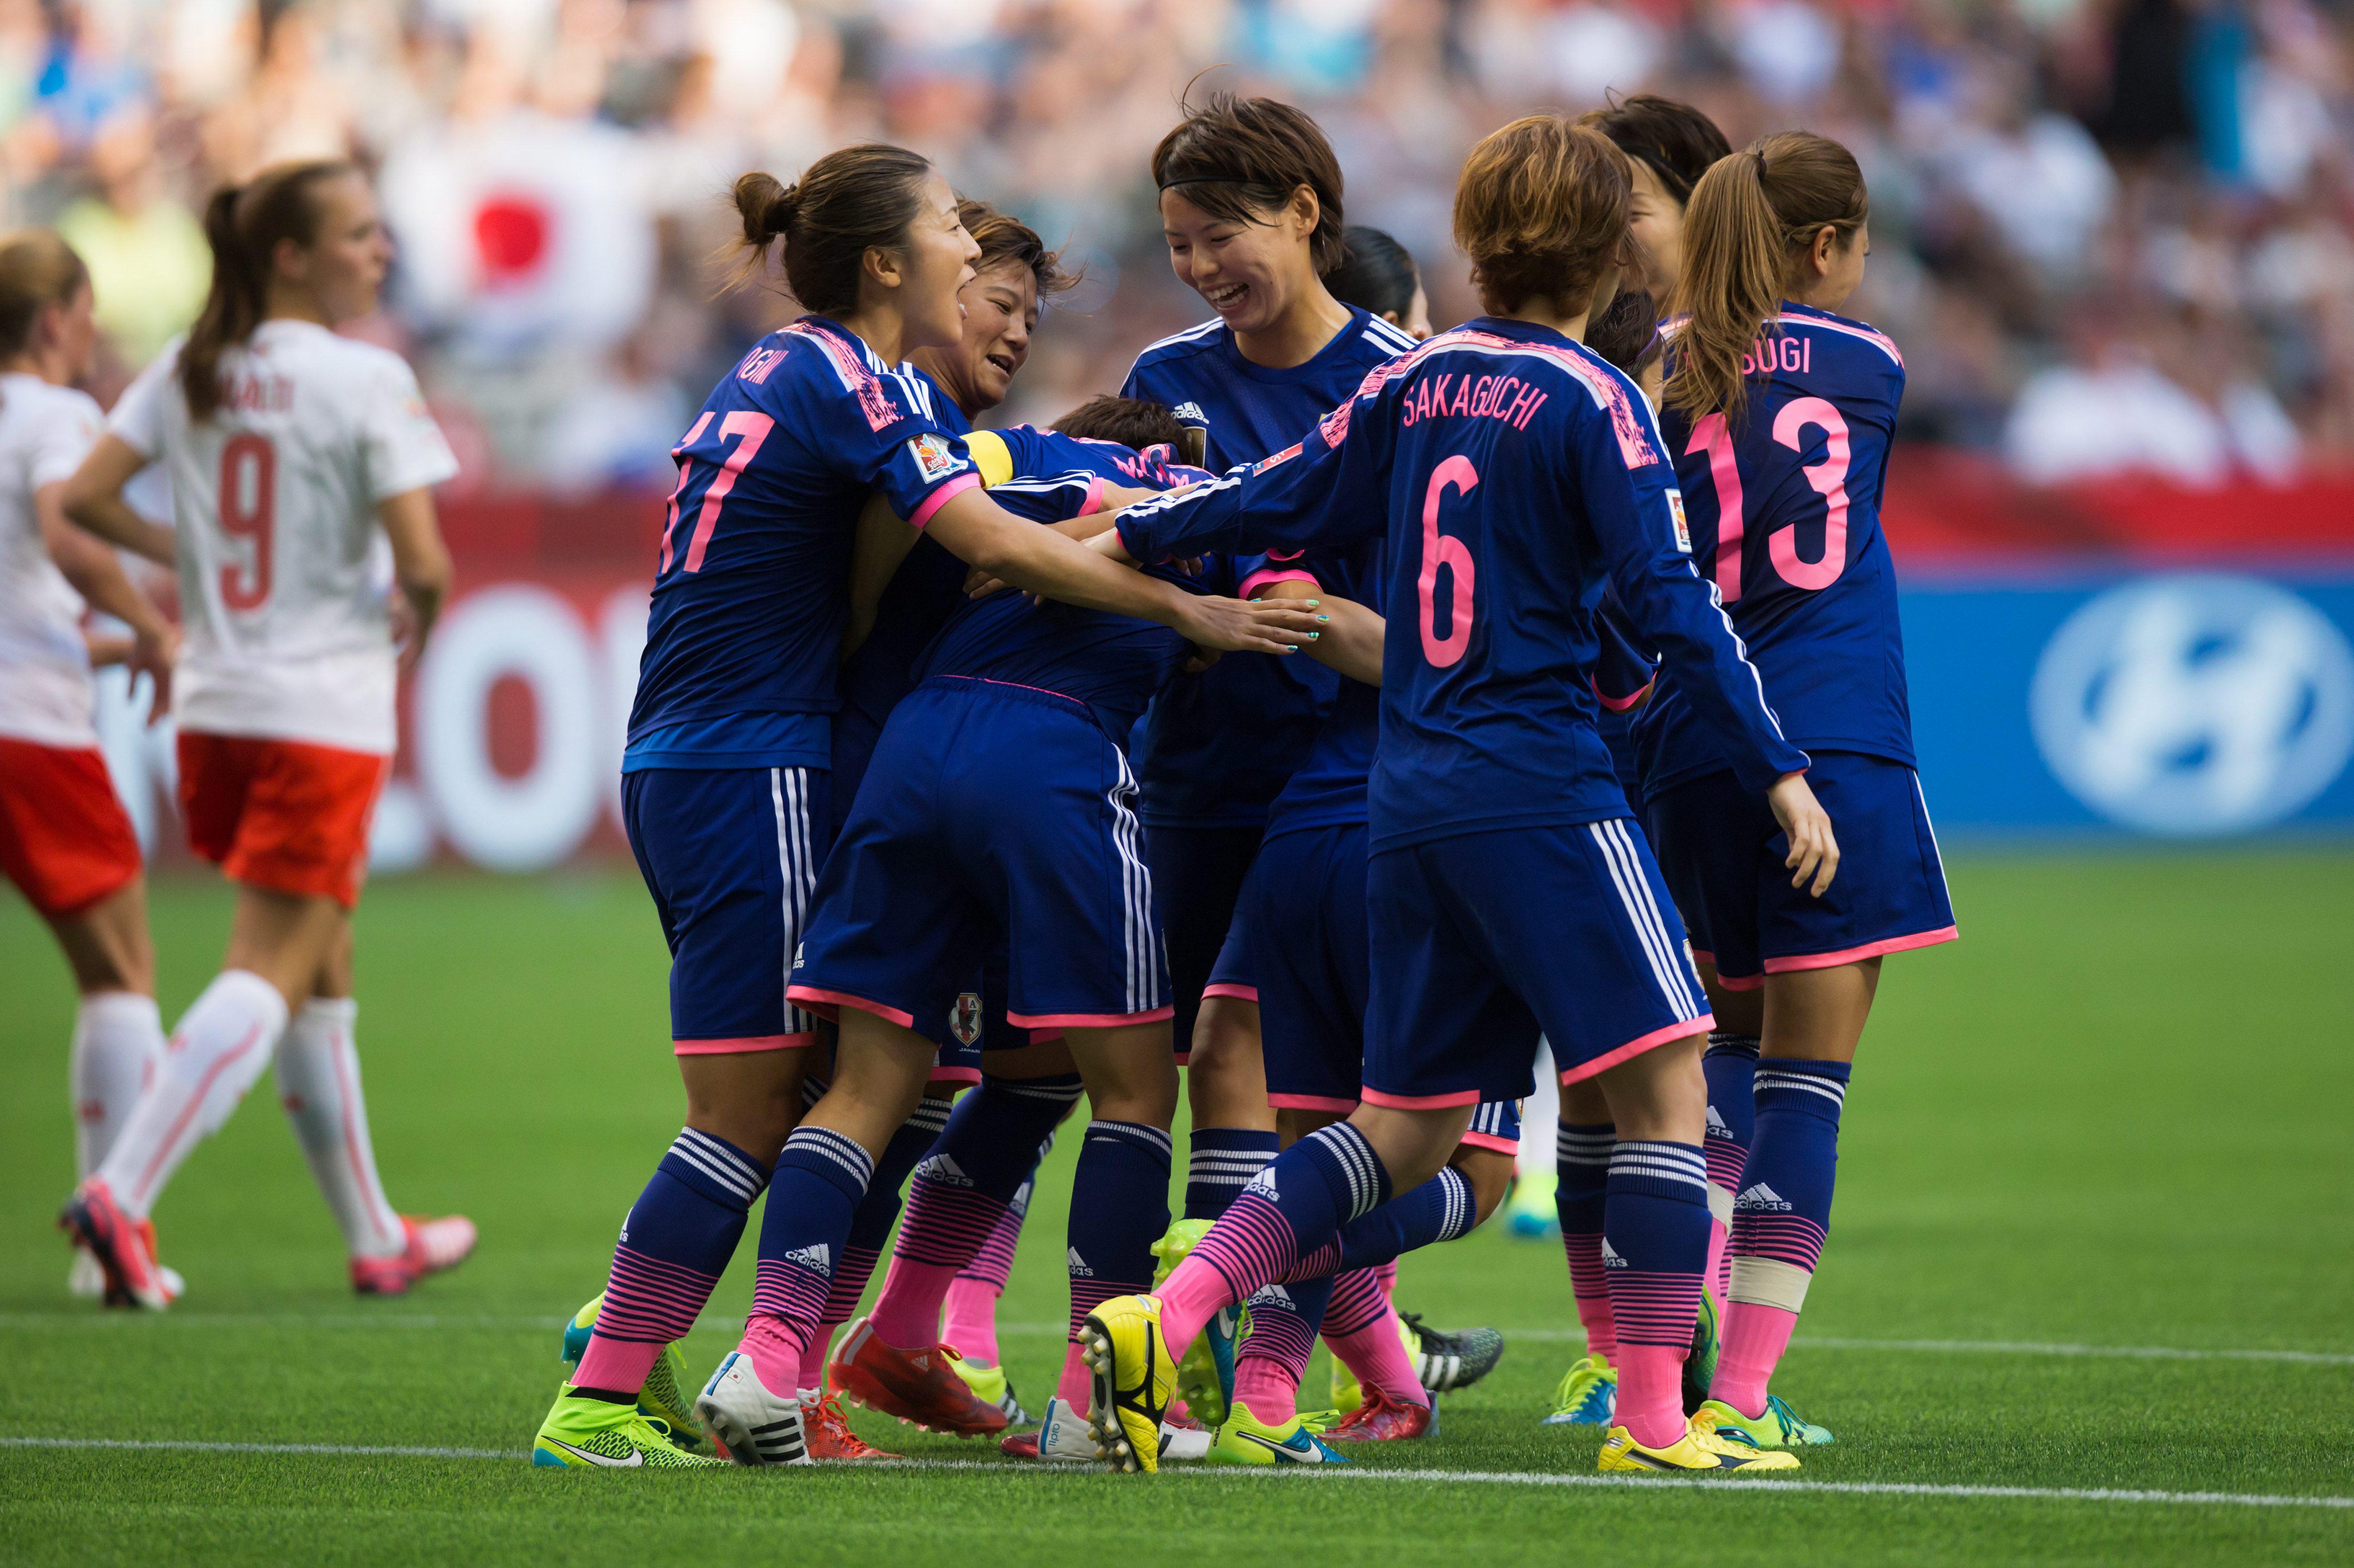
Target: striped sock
x=1123, y=1169
x=1440, y=1210
x=968, y=1312
x=1654, y=1245
x=870, y=1227
x=675, y=1243
x=1779, y=1221
x=1221, y=1164
x=1582, y=1159
x=820, y=1177
x=1273, y=1357
x=1729, y=1063
x=1361, y=1327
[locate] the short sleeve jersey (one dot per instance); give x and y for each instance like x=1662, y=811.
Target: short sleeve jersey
x=1216, y=749
x=1513, y=472
x=285, y=575
x=45, y=690
x=752, y=571
x=1785, y=509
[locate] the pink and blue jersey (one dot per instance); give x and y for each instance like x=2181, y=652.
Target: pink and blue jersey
x=1214, y=751
x=1784, y=506
x=743, y=637
x=1514, y=473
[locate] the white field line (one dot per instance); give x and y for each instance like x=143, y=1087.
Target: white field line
x=520, y=1323
x=1759, y=1488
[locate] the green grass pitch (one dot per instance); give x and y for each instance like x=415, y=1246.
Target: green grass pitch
x=2115, y=1116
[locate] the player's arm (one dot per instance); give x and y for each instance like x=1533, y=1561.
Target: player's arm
x=1624, y=676
x=420, y=562
x=883, y=542
x=1351, y=643
x=93, y=500
x=1020, y=554
x=96, y=575
x=1675, y=612
x=1327, y=490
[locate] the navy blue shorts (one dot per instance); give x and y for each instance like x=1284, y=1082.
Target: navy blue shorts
x=989, y=808
x=1483, y=941
x=731, y=856
x=1198, y=874
x=1303, y=914
x=1722, y=852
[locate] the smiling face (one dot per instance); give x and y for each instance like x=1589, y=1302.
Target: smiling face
x=1000, y=312
x=931, y=266
x=341, y=271
x=1250, y=272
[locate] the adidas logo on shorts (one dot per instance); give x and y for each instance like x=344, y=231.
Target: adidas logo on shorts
x=1763, y=1199
x=817, y=1259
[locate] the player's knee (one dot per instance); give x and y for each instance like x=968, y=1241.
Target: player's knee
x=1489, y=1171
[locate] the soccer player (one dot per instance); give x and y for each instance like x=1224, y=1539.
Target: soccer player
x=302, y=465
x=1669, y=146
x=725, y=786
x=1251, y=208
x=65, y=841
x=1378, y=275
x=1513, y=471
x=1780, y=414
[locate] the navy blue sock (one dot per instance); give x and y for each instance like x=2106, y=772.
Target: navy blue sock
x=1655, y=1247
x=1581, y=1168
x=870, y=1227
x=820, y=1177
x=674, y=1245
x=1784, y=1211
x=990, y=1144
x=1221, y=1163
x=1729, y=1063
x=1438, y=1211
x=1119, y=1206
x=1296, y=1207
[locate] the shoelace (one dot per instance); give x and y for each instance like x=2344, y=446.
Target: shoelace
x=1792, y=1422
x=828, y=1412
x=1576, y=1385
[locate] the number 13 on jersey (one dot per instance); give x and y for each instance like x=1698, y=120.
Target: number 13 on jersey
x=1827, y=477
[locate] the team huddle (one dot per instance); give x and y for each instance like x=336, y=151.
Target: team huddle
x=1337, y=713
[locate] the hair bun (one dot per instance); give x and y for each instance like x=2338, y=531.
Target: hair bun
x=766, y=206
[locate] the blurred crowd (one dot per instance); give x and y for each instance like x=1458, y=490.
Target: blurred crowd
x=2110, y=235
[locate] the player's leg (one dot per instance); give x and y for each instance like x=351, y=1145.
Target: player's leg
x=118, y=1039
x=1198, y=873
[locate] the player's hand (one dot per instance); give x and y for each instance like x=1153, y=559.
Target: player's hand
x=152, y=654
x=1814, y=850
x=1259, y=626
x=1198, y=659
x=409, y=633
x=979, y=584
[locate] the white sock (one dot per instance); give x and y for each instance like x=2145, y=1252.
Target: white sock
x=118, y=1044
x=221, y=1046
x=319, y=1083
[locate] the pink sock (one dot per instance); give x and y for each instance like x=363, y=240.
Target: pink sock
x=1265, y=1385
x=1192, y=1295
x=970, y=1322
x=619, y=1365
x=1718, y=1275
x=1075, y=1387
x=908, y=1313
x=814, y=1357
x=776, y=1351
x=1755, y=1338
x=1591, y=1284
x=1651, y=1393
x=1374, y=1354
x=1387, y=1274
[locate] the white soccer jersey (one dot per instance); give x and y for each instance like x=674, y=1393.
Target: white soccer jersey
x=45, y=690
x=285, y=576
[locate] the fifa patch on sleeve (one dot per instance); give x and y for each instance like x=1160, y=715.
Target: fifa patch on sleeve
x=935, y=459
x=1683, y=529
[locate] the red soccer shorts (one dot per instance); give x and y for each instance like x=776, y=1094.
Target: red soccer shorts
x=64, y=839
x=281, y=814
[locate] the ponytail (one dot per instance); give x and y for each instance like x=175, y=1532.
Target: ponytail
x=1749, y=219
x=850, y=201
x=244, y=224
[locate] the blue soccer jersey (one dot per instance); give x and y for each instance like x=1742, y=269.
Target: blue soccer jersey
x=1784, y=504
x=1329, y=787
x=1215, y=750
x=750, y=589
x=1514, y=472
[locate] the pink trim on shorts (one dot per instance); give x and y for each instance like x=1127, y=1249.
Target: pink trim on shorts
x=743, y=1045
x=1228, y=988
x=1421, y=1102
x=1637, y=1046
x=1869, y=950
x=1266, y=577
x=1088, y=1019
x=806, y=994
x=940, y=497
x=1490, y=1141
x=1738, y=982
x=1621, y=705
x=1185, y=1057
x=1702, y=955
x=954, y=1075
x=1311, y=1102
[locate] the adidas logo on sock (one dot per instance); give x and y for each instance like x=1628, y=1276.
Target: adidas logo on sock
x=1610, y=1259
x=1762, y=1197
x=1716, y=1127
x=1078, y=1266
x=817, y=1259
x=946, y=1172
x=1273, y=1296
x=1263, y=1183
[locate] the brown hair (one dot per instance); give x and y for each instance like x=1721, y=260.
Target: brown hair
x=1007, y=241
x=1749, y=219
x=1541, y=209
x=852, y=200
x=38, y=269
x=1241, y=159
x=1676, y=141
x=244, y=225
x=1627, y=333
x=1130, y=421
